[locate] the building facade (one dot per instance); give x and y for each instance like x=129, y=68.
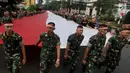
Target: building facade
x=29, y=2
x=90, y=8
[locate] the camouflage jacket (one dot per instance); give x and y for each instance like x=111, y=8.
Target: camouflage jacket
x=74, y=41
x=49, y=42
x=11, y=44
x=96, y=44
x=115, y=46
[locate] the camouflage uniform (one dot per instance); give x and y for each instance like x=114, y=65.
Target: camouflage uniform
x=109, y=28
x=48, y=52
x=74, y=42
x=95, y=45
x=6, y=19
x=114, y=52
x=12, y=47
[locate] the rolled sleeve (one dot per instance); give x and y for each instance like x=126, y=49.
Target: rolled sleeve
x=42, y=35
x=20, y=40
x=58, y=44
x=91, y=42
x=89, y=45
x=58, y=41
x=69, y=40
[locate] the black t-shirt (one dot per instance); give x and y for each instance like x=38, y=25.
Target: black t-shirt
x=92, y=25
x=84, y=22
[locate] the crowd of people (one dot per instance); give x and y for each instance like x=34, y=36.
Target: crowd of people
x=7, y=17
x=83, y=19
x=71, y=15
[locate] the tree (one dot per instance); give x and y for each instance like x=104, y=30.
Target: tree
x=108, y=7
x=54, y=5
x=40, y=2
x=11, y=6
x=63, y=4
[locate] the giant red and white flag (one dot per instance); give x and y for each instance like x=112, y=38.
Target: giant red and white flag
x=31, y=27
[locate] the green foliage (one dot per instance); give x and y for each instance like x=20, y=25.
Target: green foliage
x=79, y=5
x=32, y=8
x=108, y=6
x=54, y=5
x=107, y=17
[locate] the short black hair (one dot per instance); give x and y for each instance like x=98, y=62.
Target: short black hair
x=52, y=23
x=102, y=25
x=121, y=29
x=79, y=26
x=9, y=21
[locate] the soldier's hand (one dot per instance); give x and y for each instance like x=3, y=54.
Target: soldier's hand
x=24, y=61
x=57, y=63
x=84, y=61
x=65, y=56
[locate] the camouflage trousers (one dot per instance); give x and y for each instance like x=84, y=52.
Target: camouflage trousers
x=90, y=66
x=73, y=57
x=46, y=62
x=111, y=64
x=110, y=68
x=92, y=63
x=13, y=63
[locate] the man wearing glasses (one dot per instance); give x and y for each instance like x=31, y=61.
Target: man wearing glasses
x=50, y=44
x=14, y=49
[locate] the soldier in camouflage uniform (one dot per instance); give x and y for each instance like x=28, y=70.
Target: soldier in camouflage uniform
x=93, y=54
x=113, y=50
x=14, y=49
x=72, y=51
x=126, y=23
x=6, y=18
x=51, y=44
x=127, y=26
